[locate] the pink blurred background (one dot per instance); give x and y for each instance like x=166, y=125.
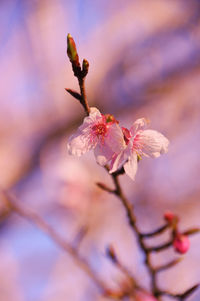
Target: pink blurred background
x=144, y=62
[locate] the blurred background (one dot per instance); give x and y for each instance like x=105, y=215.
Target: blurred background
x=144, y=62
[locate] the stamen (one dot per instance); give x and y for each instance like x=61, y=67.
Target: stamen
x=99, y=131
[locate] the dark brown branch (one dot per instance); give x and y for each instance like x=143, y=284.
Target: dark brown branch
x=84, y=102
x=161, y=247
x=156, y=232
x=168, y=265
x=180, y=297
x=104, y=187
x=74, y=94
x=188, y=292
x=191, y=231
x=132, y=221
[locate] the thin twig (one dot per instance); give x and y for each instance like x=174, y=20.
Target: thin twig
x=156, y=232
x=161, y=247
x=169, y=264
x=132, y=221
x=180, y=297
x=12, y=203
x=84, y=101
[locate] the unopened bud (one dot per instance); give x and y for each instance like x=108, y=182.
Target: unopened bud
x=85, y=67
x=181, y=243
x=171, y=218
x=71, y=50
x=110, y=119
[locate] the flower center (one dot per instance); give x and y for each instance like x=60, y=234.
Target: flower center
x=99, y=130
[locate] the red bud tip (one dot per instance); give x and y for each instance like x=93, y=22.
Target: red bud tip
x=181, y=243
x=169, y=216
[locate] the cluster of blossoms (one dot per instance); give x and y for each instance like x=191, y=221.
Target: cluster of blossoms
x=116, y=146
x=181, y=241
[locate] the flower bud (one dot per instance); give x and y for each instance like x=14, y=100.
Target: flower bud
x=110, y=119
x=144, y=296
x=181, y=243
x=171, y=218
x=71, y=50
x=85, y=67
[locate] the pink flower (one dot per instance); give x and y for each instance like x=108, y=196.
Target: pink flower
x=99, y=132
x=181, y=243
x=144, y=296
x=139, y=142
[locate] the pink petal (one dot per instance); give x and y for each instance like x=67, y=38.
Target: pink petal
x=138, y=125
x=115, y=138
x=82, y=141
x=153, y=143
x=94, y=116
x=79, y=143
x=130, y=166
x=115, y=145
x=115, y=141
x=118, y=161
x=103, y=154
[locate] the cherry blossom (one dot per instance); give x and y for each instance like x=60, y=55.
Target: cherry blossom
x=139, y=142
x=100, y=133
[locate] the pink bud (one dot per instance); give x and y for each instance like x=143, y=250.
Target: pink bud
x=181, y=243
x=143, y=296
x=171, y=218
